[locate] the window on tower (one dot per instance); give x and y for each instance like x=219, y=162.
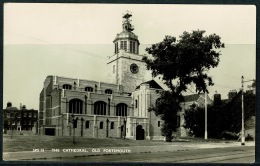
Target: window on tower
x=113, y=69
x=116, y=47
x=121, y=44
x=125, y=47
x=131, y=46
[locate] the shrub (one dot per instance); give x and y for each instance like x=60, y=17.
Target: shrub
x=229, y=135
x=249, y=138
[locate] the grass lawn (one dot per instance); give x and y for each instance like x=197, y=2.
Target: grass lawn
x=28, y=143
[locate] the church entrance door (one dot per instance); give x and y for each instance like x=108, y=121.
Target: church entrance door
x=139, y=133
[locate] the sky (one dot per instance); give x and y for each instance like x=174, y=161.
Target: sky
x=74, y=40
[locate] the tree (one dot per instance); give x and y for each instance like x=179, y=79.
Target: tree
x=195, y=121
x=221, y=118
x=181, y=63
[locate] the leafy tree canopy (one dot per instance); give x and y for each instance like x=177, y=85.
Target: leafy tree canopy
x=186, y=60
x=181, y=63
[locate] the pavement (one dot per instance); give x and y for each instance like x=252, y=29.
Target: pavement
x=43, y=154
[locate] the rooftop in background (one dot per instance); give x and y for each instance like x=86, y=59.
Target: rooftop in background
x=152, y=84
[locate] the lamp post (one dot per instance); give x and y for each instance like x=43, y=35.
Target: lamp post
x=74, y=123
x=206, y=117
x=243, y=129
x=107, y=126
x=81, y=131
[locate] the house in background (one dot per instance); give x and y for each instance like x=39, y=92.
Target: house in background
x=20, y=119
x=189, y=100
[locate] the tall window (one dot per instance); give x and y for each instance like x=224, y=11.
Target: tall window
x=121, y=44
x=87, y=125
x=108, y=91
x=121, y=109
x=133, y=47
x=100, y=108
x=159, y=123
x=66, y=86
x=75, y=106
x=113, y=68
x=101, y=125
x=136, y=102
x=112, y=125
x=116, y=47
x=88, y=89
x=125, y=46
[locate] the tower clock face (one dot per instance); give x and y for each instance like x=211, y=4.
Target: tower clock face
x=134, y=68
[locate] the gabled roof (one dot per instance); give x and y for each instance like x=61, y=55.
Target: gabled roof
x=193, y=97
x=152, y=84
x=12, y=108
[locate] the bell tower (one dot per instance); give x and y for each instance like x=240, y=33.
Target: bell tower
x=126, y=67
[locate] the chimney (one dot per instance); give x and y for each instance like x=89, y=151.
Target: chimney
x=232, y=94
x=217, y=99
x=9, y=104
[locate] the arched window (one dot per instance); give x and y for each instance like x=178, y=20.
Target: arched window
x=101, y=125
x=108, y=91
x=87, y=124
x=121, y=109
x=88, y=89
x=136, y=103
x=112, y=125
x=100, y=108
x=75, y=106
x=66, y=86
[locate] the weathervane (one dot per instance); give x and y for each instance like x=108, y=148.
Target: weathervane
x=127, y=26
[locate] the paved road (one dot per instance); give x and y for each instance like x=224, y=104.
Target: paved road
x=209, y=155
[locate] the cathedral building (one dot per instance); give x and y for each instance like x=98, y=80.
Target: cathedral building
x=117, y=108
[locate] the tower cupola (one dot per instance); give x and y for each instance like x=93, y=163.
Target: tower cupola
x=127, y=40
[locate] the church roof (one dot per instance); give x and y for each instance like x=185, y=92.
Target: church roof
x=126, y=34
x=152, y=84
x=193, y=97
